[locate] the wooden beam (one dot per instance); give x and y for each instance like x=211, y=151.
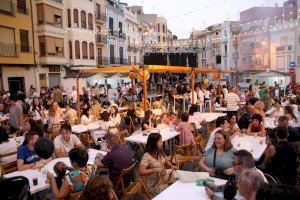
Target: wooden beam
x=78, y=98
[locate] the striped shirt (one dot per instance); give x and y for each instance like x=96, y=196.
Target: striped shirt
x=232, y=100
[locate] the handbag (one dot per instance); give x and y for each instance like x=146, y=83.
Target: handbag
x=219, y=172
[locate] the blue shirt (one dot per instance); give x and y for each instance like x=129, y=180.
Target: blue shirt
x=28, y=156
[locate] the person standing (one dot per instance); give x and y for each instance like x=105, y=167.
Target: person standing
x=16, y=115
x=232, y=100
x=74, y=96
x=57, y=96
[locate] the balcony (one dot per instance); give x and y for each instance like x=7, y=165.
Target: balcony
x=8, y=50
x=7, y=7
x=83, y=25
x=130, y=47
x=58, y=1
x=122, y=35
x=113, y=33
x=56, y=24
x=102, y=61
x=100, y=17
x=23, y=10
x=117, y=61
x=101, y=39
x=284, y=48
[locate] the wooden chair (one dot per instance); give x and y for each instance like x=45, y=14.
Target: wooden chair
x=195, y=130
x=140, y=187
x=11, y=166
x=181, y=155
x=201, y=143
x=119, y=187
x=121, y=135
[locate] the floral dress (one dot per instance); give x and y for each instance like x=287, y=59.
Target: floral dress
x=154, y=184
x=77, y=179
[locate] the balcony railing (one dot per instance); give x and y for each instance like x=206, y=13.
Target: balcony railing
x=83, y=25
x=101, y=39
x=117, y=61
x=102, y=61
x=100, y=16
x=58, y=1
x=7, y=7
x=8, y=50
x=56, y=24
x=122, y=35
x=90, y=26
x=85, y=57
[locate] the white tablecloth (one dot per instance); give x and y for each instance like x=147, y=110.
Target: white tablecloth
x=186, y=191
x=210, y=117
x=42, y=185
x=81, y=128
x=255, y=145
x=139, y=138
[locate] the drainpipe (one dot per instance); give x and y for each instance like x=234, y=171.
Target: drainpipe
x=33, y=43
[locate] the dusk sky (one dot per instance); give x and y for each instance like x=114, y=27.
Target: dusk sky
x=183, y=16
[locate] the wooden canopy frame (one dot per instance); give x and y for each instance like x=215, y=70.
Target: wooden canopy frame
x=142, y=70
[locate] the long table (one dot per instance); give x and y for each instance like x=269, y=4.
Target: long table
x=254, y=144
x=30, y=174
x=188, y=191
x=81, y=128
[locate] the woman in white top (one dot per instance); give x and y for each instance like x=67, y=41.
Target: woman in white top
x=7, y=146
x=36, y=110
x=277, y=111
x=195, y=118
x=289, y=113
x=115, y=117
x=233, y=126
x=53, y=118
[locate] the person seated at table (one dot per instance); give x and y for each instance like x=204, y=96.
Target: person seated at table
x=36, y=111
x=281, y=159
x=131, y=113
x=32, y=125
x=232, y=99
x=66, y=141
x=217, y=160
x=105, y=101
x=277, y=111
x=162, y=107
x=53, y=119
x=170, y=120
x=186, y=136
x=147, y=123
x=195, y=118
x=245, y=118
x=289, y=113
x=147, y=107
x=57, y=109
x=107, y=123
x=119, y=157
x=221, y=124
x=155, y=164
x=115, y=117
x=98, y=188
x=123, y=102
x=256, y=128
x=218, y=103
x=260, y=106
x=71, y=115
x=27, y=158
x=96, y=108
x=7, y=145
x=76, y=179
x=233, y=126
x=293, y=136
x=156, y=109
x=242, y=160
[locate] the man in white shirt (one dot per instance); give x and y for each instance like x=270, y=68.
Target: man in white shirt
x=74, y=96
x=225, y=91
x=66, y=142
x=232, y=100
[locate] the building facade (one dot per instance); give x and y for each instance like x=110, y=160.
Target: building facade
x=115, y=26
x=16, y=46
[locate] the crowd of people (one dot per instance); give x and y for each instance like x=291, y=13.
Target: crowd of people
x=53, y=113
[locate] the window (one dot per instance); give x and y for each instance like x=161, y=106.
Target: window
x=84, y=50
x=7, y=42
x=49, y=15
x=90, y=21
x=120, y=29
x=280, y=63
x=121, y=49
x=83, y=19
x=70, y=50
x=225, y=48
x=163, y=28
x=75, y=18
x=24, y=41
x=112, y=54
x=21, y=6
x=111, y=26
x=158, y=38
x=164, y=39
x=158, y=27
x=91, y=49
x=225, y=33
x=77, y=49
x=69, y=18
x=42, y=46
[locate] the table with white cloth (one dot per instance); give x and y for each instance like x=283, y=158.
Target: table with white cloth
x=254, y=144
x=81, y=128
x=188, y=191
x=141, y=137
x=151, y=96
x=30, y=174
x=224, y=109
x=179, y=97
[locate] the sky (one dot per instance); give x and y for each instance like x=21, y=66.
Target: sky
x=184, y=16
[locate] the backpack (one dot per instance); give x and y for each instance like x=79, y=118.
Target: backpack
x=16, y=188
